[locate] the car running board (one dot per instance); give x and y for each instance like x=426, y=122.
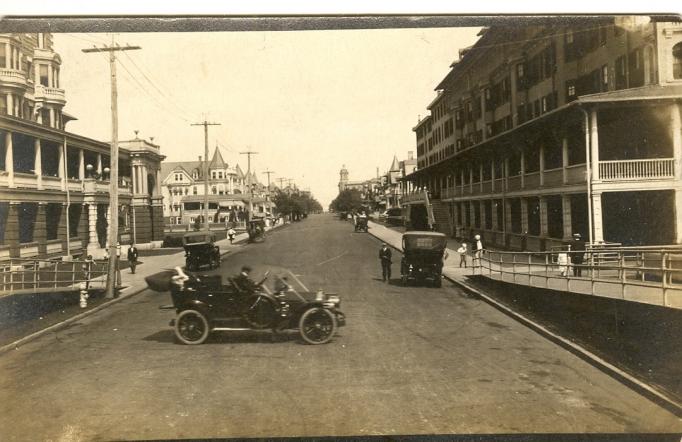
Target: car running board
x=231, y=329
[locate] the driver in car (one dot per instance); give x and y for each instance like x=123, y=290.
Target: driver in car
x=243, y=282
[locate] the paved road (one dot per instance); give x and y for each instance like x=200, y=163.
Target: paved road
x=410, y=361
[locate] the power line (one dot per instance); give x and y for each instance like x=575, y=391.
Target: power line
x=205, y=124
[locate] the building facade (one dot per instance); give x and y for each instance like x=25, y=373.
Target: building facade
x=229, y=198
x=54, y=185
x=539, y=132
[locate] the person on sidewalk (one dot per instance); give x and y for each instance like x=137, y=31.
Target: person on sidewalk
x=577, y=254
x=478, y=251
x=462, y=255
x=132, y=257
x=385, y=258
x=231, y=233
x=562, y=261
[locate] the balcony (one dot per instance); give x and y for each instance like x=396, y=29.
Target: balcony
x=629, y=170
x=12, y=76
x=49, y=94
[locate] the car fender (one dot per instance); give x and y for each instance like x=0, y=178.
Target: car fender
x=195, y=304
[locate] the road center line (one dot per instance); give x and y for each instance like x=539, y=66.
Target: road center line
x=332, y=259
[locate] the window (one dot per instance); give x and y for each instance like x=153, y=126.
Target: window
x=621, y=72
x=605, y=78
x=677, y=61
x=43, y=75
x=3, y=59
x=194, y=190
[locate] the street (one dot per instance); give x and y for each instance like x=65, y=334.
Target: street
x=411, y=360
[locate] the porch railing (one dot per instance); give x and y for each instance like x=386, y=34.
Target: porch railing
x=658, y=168
x=44, y=276
x=647, y=275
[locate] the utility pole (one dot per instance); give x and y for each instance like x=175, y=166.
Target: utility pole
x=248, y=154
x=205, y=124
x=281, y=183
x=113, y=177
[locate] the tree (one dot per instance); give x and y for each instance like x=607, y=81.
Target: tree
x=297, y=205
x=347, y=201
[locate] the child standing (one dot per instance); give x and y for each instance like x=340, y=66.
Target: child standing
x=462, y=254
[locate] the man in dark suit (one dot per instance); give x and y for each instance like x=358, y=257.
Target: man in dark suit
x=577, y=253
x=243, y=282
x=132, y=257
x=385, y=258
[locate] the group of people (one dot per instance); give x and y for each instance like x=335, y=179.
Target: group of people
x=463, y=251
x=576, y=254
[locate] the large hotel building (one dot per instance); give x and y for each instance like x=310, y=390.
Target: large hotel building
x=541, y=131
x=54, y=185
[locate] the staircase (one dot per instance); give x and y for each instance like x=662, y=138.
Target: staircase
x=441, y=216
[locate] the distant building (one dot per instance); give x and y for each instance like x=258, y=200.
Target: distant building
x=54, y=185
x=541, y=131
x=228, y=192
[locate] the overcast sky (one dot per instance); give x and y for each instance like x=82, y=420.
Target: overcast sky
x=307, y=101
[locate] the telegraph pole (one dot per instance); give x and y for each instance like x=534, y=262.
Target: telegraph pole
x=205, y=124
x=113, y=177
x=281, y=183
x=248, y=154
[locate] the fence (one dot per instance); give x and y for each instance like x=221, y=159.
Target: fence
x=39, y=276
x=649, y=275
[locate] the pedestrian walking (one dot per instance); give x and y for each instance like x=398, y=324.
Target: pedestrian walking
x=132, y=257
x=462, y=255
x=478, y=250
x=385, y=258
x=231, y=234
x=577, y=254
x=562, y=260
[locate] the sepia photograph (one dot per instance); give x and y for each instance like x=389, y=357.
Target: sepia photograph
x=361, y=227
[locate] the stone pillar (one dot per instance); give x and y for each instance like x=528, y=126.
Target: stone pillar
x=9, y=159
x=597, y=226
x=144, y=180
x=544, y=231
x=81, y=165
x=678, y=216
x=507, y=216
x=594, y=146
x=492, y=174
x=564, y=159
x=505, y=171
x=92, y=227
x=481, y=208
x=495, y=222
x=157, y=187
x=84, y=225
x=10, y=104
x=12, y=229
x=61, y=229
x=52, y=118
x=60, y=172
x=567, y=216
x=472, y=214
x=49, y=75
x=40, y=230
x=38, y=163
x=8, y=54
x=524, y=216
x=676, y=128
x=542, y=165
x=480, y=177
x=99, y=165
x=523, y=168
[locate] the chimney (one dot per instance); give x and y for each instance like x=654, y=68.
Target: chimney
x=410, y=155
x=200, y=158
x=377, y=172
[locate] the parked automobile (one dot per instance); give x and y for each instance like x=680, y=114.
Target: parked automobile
x=256, y=230
x=204, y=305
x=200, y=251
x=361, y=224
x=422, y=257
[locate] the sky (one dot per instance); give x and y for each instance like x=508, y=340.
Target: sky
x=308, y=102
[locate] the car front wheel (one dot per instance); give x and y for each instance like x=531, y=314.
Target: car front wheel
x=317, y=325
x=191, y=327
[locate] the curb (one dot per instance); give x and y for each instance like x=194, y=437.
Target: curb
x=60, y=325
x=628, y=380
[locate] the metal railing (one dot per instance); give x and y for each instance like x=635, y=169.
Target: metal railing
x=39, y=276
x=657, y=168
x=641, y=274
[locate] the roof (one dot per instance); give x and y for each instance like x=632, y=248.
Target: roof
x=651, y=92
x=217, y=162
x=395, y=165
x=188, y=166
x=424, y=233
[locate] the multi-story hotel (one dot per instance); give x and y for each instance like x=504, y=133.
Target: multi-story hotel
x=54, y=188
x=538, y=132
x=228, y=196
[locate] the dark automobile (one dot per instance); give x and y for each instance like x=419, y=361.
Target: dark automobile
x=200, y=251
x=422, y=257
x=204, y=304
x=360, y=224
x=256, y=230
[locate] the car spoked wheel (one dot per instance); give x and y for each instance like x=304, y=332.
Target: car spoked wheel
x=191, y=327
x=317, y=325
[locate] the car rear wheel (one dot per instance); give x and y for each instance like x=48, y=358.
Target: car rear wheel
x=317, y=325
x=191, y=327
